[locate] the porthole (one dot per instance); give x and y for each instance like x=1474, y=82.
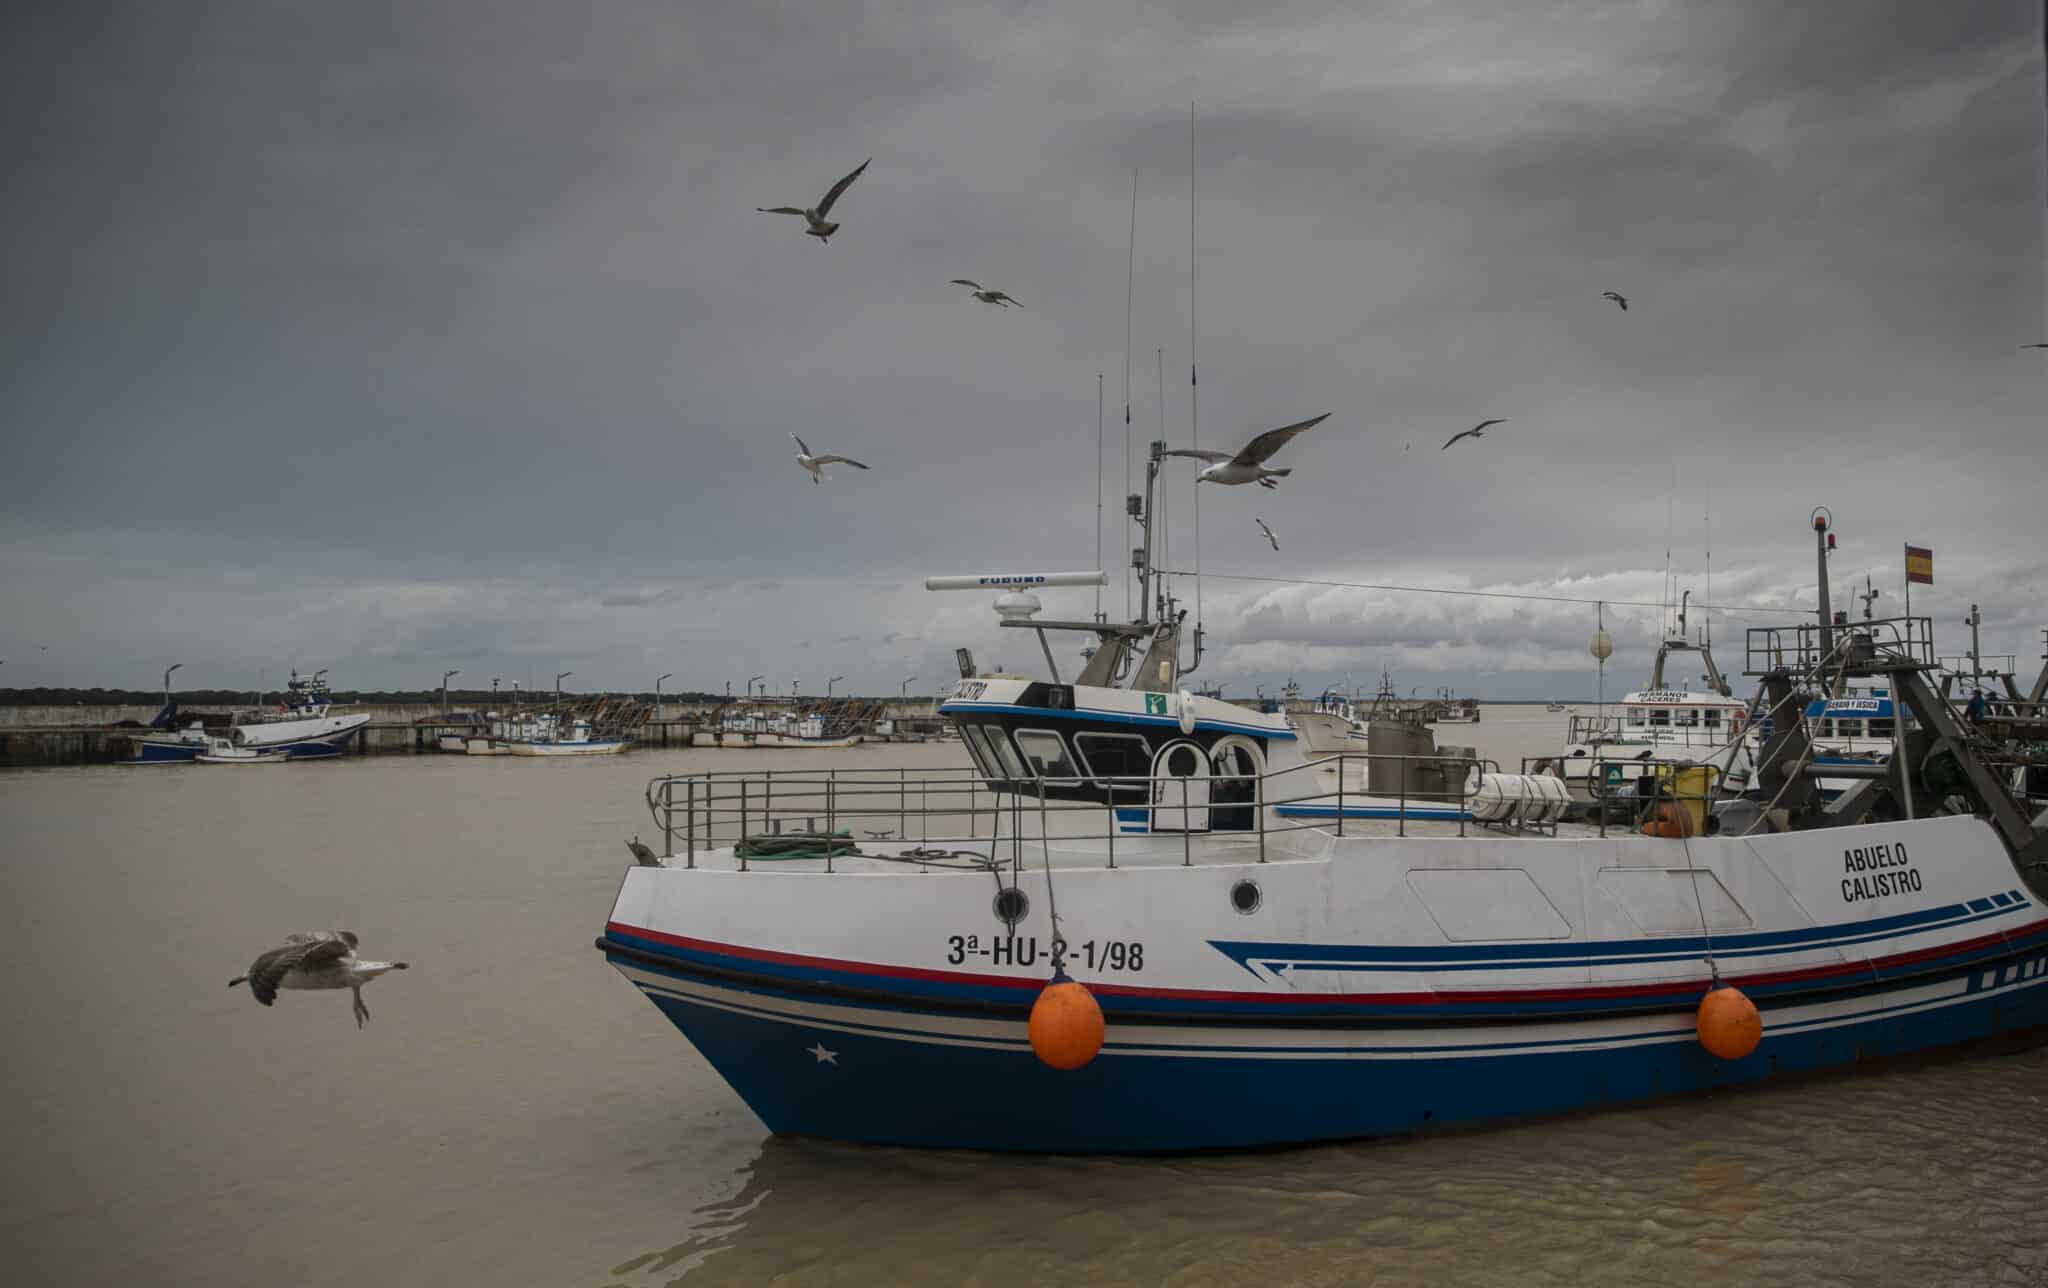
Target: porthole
x=1011, y=905
x=1246, y=897
x=1183, y=761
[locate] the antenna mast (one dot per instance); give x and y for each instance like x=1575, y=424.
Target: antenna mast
x=1130, y=293
x=1098, y=490
x=1194, y=385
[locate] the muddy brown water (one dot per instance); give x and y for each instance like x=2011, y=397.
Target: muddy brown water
x=514, y=1113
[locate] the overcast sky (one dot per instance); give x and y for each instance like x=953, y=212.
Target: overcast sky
x=390, y=338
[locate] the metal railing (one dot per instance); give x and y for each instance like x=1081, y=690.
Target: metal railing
x=1895, y=640
x=1627, y=791
x=957, y=817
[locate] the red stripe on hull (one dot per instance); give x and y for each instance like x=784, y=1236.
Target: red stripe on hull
x=1874, y=967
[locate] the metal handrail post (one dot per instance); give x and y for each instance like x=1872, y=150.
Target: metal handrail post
x=740, y=843
x=690, y=827
x=1187, y=828
x=1259, y=812
x=831, y=801
x=1401, y=821
x=1113, y=822
x=1340, y=793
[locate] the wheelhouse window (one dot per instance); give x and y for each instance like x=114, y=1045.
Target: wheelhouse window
x=978, y=751
x=1013, y=764
x=1660, y=718
x=1880, y=728
x=1045, y=752
x=1687, y=717
x=1713, y=717
x=1850, y=728
x=1636, y=715
x=1115, y=755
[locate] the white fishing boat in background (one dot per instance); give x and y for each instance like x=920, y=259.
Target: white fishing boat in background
x=548, y=735
x=302, y=726
x=1660, y=722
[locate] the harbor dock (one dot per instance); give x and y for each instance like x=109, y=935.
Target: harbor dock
x=85, y=735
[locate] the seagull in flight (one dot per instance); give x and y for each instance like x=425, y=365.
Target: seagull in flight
x=1617, y=297
x=985, y=294
x=1268, y=531
x=1476, y=431
x=1249, y=465
x=323, y=959
x=820, y=227
x=815, y=464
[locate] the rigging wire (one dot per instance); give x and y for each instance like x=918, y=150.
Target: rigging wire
x=1477, y=594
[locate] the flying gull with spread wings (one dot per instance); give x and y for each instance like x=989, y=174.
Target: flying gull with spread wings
x=987, y=295
x=816, y=464
x=1249, y=465
x=323, y=959
x=1617, y=298
x=820, y=227
x=1476, y=431
x=1268, y=531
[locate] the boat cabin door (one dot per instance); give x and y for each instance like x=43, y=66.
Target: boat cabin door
x=1180, y=788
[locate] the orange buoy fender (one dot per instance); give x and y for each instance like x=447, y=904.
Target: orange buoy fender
x=1728, y=1023
x=1669, y=821
x=1066, y=1023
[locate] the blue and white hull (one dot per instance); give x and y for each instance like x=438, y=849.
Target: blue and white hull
x=810, y=1063
x=1375, y=985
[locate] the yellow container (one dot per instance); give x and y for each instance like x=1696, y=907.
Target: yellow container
x=1692, y=787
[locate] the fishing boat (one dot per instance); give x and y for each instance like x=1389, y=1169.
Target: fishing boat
x=549, y=735
x=1555, y=706
x=1142, y=920
x=168, y=745
x=302, y=726
x=1664, y=721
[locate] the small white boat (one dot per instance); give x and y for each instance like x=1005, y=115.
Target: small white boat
x=223, y=751
x=545, y=735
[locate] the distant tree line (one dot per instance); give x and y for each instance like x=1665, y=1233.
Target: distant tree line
x=249, y=697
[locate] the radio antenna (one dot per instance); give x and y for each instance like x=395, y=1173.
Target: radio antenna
x=1130, y=294
x=1098, y=489
x=1194, y=384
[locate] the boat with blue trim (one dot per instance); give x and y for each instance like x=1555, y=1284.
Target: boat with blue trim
x=1274, y=964
x=302, y=726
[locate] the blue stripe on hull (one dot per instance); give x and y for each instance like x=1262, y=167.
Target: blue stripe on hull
x=878, y=1088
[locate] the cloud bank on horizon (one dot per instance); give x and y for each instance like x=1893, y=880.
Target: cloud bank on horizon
x=381, y=342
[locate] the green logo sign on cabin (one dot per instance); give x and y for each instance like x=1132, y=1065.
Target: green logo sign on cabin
x=1155, y=704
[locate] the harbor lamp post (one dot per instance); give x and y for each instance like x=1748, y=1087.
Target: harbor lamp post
x=558, y=688
x=828, y=686
x=657, y=692
x=167, y=681
x=445, y=677
x=750, y=685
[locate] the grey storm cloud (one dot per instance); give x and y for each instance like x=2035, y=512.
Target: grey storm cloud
x=412, y=334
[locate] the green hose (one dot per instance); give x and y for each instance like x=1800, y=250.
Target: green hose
x=796, y=845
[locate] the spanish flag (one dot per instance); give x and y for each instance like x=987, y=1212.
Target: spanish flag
x=1920, y=565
